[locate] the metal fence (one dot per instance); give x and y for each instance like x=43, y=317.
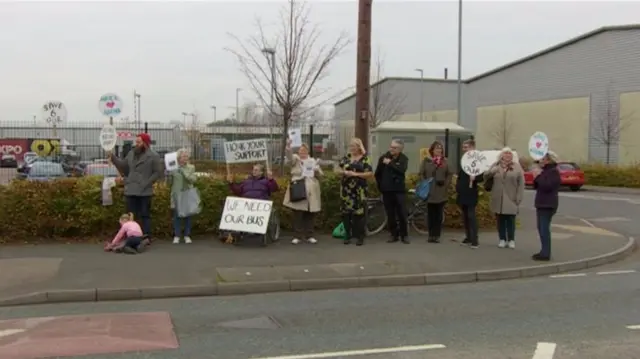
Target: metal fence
x=204, y=142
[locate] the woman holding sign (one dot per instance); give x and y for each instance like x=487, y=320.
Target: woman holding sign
x=182, y=179
x=547, y=184
x=303, y=193
x=436, y=169
x=355, y=169
x=506, y=195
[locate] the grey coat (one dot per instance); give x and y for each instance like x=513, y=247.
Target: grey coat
x=140, y=172
x=508, y=189
x=441, y=180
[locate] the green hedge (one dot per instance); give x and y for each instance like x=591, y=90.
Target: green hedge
x=72, y=208
x=611, y=175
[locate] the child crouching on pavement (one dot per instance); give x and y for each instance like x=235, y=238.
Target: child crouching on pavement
x=129, y=238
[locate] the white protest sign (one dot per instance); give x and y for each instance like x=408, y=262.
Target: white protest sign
x=475, y=163
x=54, y=112
x=295, y=135
x=246, y=151
x=110, y=105
x=309, y=167
x=171, y=161
x=246, y=215
x=108, y=137
x=538, y=145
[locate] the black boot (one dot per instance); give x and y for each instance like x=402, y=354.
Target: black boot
x=393, y=239
x=360, y=242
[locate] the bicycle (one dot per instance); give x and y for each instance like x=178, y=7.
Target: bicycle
x=416, y=217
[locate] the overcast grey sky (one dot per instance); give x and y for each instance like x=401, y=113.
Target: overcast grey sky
x=173, y=52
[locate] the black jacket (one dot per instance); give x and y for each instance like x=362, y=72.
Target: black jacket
x=467, y=196
x=391, y=177
x=547, y=185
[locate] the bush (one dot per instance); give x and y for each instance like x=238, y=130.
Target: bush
x=72, y=208
x=237, y=168
x=611, y=175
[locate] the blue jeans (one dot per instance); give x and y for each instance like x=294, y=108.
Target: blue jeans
x=177, y=225
x=506, y=227
x=544, y=216
x=140, y=206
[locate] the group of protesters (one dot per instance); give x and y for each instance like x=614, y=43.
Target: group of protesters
x=504, y=179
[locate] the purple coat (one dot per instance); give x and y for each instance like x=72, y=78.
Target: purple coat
x=255, y=188
x=547, y=185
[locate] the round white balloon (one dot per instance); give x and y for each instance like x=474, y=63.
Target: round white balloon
x=108, y=137
x=475, y=163
x=54, y=112
x=110, y=105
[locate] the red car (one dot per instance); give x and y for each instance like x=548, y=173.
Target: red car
x=570, y=174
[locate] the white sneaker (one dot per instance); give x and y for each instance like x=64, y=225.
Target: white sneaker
x=176, y=240
x=312, y=240
x=295, y=241
x=512, y=244
x=187, y=240
x=502, y=244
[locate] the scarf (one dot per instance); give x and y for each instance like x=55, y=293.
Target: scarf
x=438, y=161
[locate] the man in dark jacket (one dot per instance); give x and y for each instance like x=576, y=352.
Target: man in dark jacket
x=467, y=199
x=547, y=184
x=141, y=169
x=390, y=177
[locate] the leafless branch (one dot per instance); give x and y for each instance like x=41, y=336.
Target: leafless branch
x=610, y=123
x=301, y=61
x=385, y=103
x=503, y=129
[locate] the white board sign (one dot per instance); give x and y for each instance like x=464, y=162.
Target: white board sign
x=309, y=167
x=108, y=137
x=295, y=135
x=475, y=163
x=54, y=112
x=246, y=151
x=538, y=145
x=246, y=215
x=110, y=105
x=171, y=161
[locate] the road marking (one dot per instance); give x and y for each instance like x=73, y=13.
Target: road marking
x=586, y=230
x=353, y=353
x=8, y=332
x=570, y=275
x=587, y=223
x=616, y=272
x=544, y=351
x=633, y=327
x=610, y=219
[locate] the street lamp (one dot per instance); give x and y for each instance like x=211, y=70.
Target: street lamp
x=459, y=62
x=421, y=71
x=238, y=103
x=272, y=64
x=137, y=113
x=214, y=112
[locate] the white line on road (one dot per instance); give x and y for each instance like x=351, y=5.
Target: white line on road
x=633, y=327
x=587, y=223
x=352, y=353
x=616, y=272
x=570, y=275
x=544, y=351
x=8, y=332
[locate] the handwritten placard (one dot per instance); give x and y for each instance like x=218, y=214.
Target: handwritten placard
x=246, y=151
x=108, y=137
x=171, y=161
x=309, y=167
x=246, y=215
x=474, y=163
x=295, y=136
x=538, y=145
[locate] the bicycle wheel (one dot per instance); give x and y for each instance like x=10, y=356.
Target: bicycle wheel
x=376, y=217
x=418, y=219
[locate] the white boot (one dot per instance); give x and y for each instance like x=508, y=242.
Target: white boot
x=187, y=240
x=176, y=240
x=502, y=244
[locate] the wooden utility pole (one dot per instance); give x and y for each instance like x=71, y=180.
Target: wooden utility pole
x=363, y=70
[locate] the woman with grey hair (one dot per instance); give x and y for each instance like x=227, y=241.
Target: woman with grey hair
x=181, y=179
x=547, y=184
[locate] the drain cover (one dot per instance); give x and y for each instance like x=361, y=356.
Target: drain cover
x=263, y=322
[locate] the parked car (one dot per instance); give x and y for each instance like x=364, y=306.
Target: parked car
x=8, y=161
x=44, y=171
x=570, y=175
x=104, y=170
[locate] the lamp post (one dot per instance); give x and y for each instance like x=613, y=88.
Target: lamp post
x=136, y=101
x=272, y=64
x=238, y=103
x=193, y=131
x=459, y=90
x=421, y=71
x=214, y=108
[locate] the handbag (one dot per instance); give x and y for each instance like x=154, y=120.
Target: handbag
x=488, y=184
x=298, y=190
x=339, y=232
x=188, y=202
x=423, y=188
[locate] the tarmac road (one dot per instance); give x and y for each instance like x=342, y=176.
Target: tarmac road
x=585, y=317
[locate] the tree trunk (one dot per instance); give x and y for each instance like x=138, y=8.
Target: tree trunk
x=286, y=117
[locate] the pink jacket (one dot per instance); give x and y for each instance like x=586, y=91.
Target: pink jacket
x=129, y=229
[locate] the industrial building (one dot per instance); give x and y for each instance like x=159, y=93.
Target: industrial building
x=583, y=93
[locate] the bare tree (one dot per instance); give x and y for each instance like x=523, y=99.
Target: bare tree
x=609, y=124
x=503, y=129
x=300, y=62
x=385, y=103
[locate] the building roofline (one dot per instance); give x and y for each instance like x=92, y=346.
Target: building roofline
x=554, y=48
x=513, y=63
